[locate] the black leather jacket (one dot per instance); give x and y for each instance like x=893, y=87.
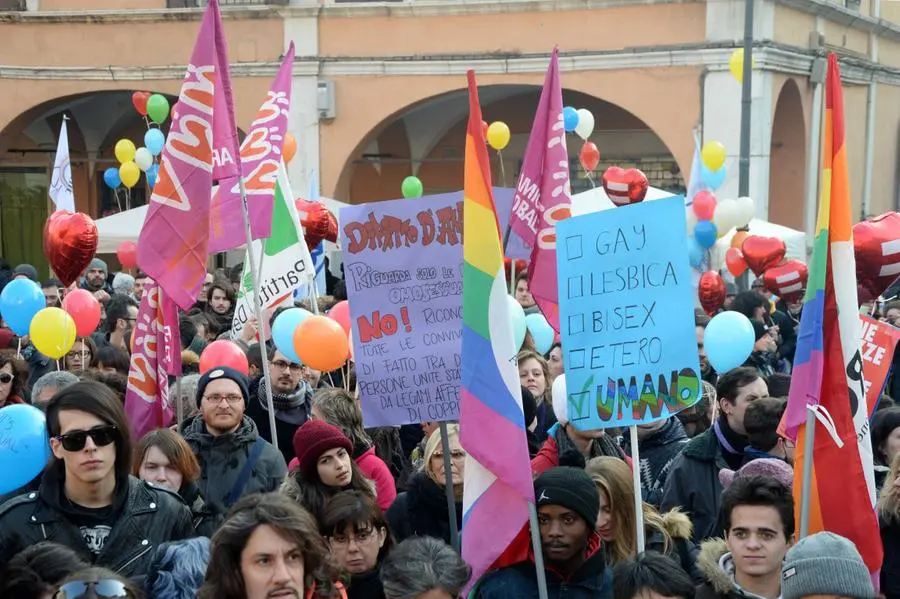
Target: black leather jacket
x=149, y=516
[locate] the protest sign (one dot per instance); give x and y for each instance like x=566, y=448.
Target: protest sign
x=627, y=315
x=878, y=342
x=403, y=268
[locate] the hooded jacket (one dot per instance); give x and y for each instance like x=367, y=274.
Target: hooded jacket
x=143, y=518
x=717, y=568
x=223, y=457
x=681, y=548
x=593, y=580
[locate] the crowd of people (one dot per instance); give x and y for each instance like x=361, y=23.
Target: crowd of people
x=209, y=508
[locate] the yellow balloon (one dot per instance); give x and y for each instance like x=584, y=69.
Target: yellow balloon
x=498, y=135
x=130, y=173
x=125, y=150
x=52, y=331
x=713, y=155
x=736, y=64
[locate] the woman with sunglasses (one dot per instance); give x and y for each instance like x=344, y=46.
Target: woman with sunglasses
x=10, y=383
x=97, y=583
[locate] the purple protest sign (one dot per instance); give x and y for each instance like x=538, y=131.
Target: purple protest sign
x=403, y=268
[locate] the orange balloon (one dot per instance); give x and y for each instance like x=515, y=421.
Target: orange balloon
x=321, y=343
x=290, y=147
x=738, y=240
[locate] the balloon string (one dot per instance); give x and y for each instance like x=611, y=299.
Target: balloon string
x=19, y=350
x=57, y=366
x=590, y=179
x=82, y=355
x=502, y=170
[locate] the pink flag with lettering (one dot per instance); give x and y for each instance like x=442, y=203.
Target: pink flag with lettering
x=260, y=159
x=201, y=148
x=156, y=355
x=543, y=196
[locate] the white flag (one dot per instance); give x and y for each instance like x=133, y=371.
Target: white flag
x=286, y=263
x=61, y=182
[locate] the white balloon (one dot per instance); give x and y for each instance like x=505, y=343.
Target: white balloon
x=726, y=215
x=560, y=399
x=143, y=158
x=745, y=210
x=585, y=123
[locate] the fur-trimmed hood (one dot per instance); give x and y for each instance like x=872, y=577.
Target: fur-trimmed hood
x=677, y=524
x=290, y=488
x=717, y=568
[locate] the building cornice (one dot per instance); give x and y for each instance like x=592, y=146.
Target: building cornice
x=768, y=56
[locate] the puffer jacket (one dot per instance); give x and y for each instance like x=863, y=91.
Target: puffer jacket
x=223, y=457
x=681, y=548
x=714, y=563
x=148, y=517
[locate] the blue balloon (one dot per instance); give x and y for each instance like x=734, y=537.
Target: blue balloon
x=705, y=233
x=152, y=174
x=728, y=340
x=541, y=332
x=20, y=301
x=712, y=180
x=154, y=140
x=517, y=316
x=111, y=177
x=283, y=331
x=24, y=446
x=695, y=253
x=570, y=118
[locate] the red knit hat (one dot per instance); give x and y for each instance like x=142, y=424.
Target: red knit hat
x=313, y=439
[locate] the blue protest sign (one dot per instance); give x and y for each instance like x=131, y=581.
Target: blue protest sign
x=627, y=315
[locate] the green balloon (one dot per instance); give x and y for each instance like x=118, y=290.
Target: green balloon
x=412, y=188
x=158, y=108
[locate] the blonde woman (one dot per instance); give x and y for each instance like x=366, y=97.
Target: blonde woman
x=669, y=533
x=534, y=375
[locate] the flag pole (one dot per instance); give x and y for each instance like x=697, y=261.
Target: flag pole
x=638, y=499
x=267, y=381
x=538, y=552
x=448, y=488
x=808, y=447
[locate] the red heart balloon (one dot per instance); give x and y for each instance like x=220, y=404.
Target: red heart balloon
x=734, y=260
x=625, y=186
x=318, y=223
x=711, y=291
x=876, y=243
x=70, y=242
x=139, y=99
x=762, y=253
x=787, y=280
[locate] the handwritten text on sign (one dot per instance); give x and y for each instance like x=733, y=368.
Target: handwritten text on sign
x=879, y=341
x=627, y=315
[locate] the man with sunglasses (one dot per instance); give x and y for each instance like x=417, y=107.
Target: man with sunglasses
x=234, y=459
x=291, y=396
x=87, y=500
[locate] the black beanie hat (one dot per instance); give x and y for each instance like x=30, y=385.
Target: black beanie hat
x=571, y=488
x=223, y=372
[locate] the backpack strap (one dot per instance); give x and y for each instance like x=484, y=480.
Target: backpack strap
x=244, y=477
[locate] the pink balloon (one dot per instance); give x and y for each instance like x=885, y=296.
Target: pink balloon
x=340, y=313
x=704, y=205
x=84, y=309
x=224, y=353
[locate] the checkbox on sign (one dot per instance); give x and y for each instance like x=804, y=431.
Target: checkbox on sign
x=576, y=286
x=576, y=324
x=576, y=359
x=574, y=247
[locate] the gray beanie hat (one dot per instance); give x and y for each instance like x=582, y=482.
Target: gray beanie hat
x=825, y=564
x=99, y=265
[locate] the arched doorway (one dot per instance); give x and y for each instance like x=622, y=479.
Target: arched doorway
x=787, y=162
x=427, y=140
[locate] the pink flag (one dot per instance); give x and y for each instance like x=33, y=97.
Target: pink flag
x=201, y=148
x=157, y=354
x=260, y=160
x=543, y=196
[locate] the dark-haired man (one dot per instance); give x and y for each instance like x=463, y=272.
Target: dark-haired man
x=758, y=514
x=693, y=482
x=87, y=500
x=761, y=423
x=651, y=575
x=121, y=316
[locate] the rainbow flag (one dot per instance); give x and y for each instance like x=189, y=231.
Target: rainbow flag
x=492, y=426
x=827, y=375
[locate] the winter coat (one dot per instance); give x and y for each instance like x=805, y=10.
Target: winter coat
x=377, y=471
x=693, y=484
x=422, y=511
x=283, y=429
x=890, y=569
x=366, y=585
x=559, y=444
x=205, y=522
x=681, y=548
x=657, y=454
x=593, y=580
x=546, y=418
x=146, y=517
x=222, y=458
x=718, y=574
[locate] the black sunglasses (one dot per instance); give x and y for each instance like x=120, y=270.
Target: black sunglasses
x=5, y=377
x=102, y=436
x=102, y=589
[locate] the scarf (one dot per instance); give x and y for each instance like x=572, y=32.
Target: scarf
x=732, y=444
x=291, y=407
x=570, y=455
x=222, y=321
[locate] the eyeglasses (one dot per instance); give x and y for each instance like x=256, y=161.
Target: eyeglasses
x=360, y=537
x=282, y=365
x=102, y=436
x=77, y=354
x=102, y=589
x=6, y=377
x=457, y=454
x=217, y=398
